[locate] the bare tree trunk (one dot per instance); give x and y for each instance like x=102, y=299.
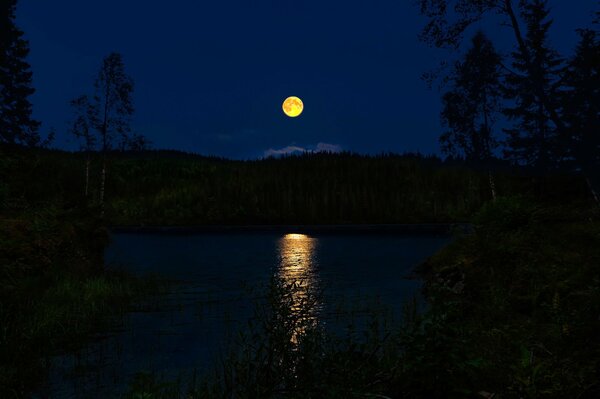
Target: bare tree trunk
x=104, y=149
x=87, y=176
x=102, y=185
x=487, y=138
x=492, y=185
x=592, y=190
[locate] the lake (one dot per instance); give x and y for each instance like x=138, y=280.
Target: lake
x=219, y=277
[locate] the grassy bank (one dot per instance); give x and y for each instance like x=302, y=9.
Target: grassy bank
x=54, y=291
x=522, y=296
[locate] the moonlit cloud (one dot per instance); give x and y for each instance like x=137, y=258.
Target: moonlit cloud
x=294, y=149
x=290, y=149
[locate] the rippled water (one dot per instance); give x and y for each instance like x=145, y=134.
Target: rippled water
x=220, y=277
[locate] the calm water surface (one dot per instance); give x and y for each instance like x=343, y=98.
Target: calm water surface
x=220, y=276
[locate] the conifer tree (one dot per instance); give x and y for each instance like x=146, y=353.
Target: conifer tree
x=533, y=90
x=448, y=20
x=16, y=122
x=582, y=109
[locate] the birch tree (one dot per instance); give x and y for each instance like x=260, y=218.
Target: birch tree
x=111, y=108
x=81, y=129
x=470, y=106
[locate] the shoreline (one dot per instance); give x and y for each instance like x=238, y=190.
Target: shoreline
x=416, y=228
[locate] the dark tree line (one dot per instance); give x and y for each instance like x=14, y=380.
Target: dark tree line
x=317, y=188
x=173, y=188
x=550, y=103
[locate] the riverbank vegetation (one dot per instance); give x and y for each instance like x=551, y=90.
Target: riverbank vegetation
x=54, y=290
x=519, y=301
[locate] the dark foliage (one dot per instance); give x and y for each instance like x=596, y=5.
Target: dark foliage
x=471, y=104
x=169, y=188
x=521, y=296
x=534, y=138
x=449, y=19
x=550, y=102
x=54, y=290
x=16, y=122
x=111, y=106
x=582, y=107
x=320, y=188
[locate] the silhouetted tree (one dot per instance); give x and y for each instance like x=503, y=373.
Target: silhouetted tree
x=449, y=19
x=16, y=122
x=137, y=142
x=469, y=108
x=111, y=108
x=582, y=108
x=533, y=89
x=82, y=130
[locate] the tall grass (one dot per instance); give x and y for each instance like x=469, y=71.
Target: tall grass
x=54, y=292
x=62, y=318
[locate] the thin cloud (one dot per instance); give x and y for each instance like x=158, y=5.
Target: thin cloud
x=294, y=149
x=290, y=149
x=326, y=147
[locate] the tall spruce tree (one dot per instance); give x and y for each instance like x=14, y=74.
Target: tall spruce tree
x=470, y=106
x=16, y=122
x=582, y=109
x=533, y=88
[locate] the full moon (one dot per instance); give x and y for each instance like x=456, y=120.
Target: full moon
x=293, y=106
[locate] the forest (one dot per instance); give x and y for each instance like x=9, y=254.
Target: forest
x=171, y=188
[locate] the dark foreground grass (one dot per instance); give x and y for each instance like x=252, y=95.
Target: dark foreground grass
x=523, y=295
x=514, y=312
x=54, y=292
x=60, y=319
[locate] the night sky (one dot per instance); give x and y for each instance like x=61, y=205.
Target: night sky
x=211, y=76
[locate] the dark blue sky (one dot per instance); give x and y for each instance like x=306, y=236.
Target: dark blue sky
x=211, y=76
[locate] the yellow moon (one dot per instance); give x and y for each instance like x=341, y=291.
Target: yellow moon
x=293, y=106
